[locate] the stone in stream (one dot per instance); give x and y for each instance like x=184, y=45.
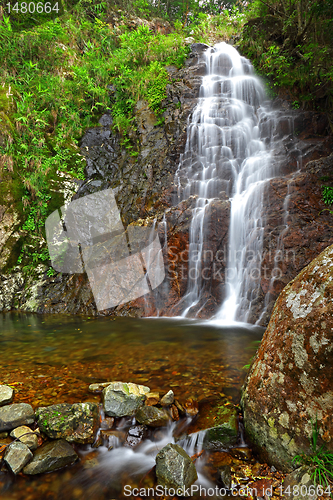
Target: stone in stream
x=225, y=433
x=77, y=423
x=225, y=476
x=121, y=399
x=14, y=415
x=300, y=481
x=168, y=398
x=51, y=456
x=152, y=399
x=289, y=385
x=152, y=416
x=26, y=436
x=17, y=456
x=174, y=468
x=6, y=395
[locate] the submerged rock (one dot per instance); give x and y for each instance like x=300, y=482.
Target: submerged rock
x=17, y=456
x=121, y=399
x=14, y=415
x=174, y=468
x=6, y=395
x=225, y=433
x=26, y=436
x=50, y=457
x=289, y=385
x=77, y=423
x=152, y=416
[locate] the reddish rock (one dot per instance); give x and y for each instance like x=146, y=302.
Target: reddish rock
x=290, y=382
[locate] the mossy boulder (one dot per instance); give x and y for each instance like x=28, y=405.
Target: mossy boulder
x=77, y=423
x=289, y=385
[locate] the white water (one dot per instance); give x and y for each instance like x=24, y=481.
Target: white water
x=226, y=158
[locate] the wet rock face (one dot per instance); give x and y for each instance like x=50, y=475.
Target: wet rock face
x=290, y=381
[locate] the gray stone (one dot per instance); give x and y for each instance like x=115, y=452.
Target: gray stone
x=299, y=482
x=26, y=436
x=14, y=415
x=121, y=399
x=168, y=398
x=6, y=394
x=51, y=456
x=174, y=468
x=17, y=456
x=77, y=423
x=150, y=415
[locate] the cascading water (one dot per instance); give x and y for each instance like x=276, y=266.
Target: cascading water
x=226, y=157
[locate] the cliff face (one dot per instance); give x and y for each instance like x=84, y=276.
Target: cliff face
x=145, y=191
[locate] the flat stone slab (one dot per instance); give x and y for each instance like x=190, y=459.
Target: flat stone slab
x=51, y=456
x=122, y=399
x=6, y=395
x=77, y=423
x=26, y=436
x=14, y=415
x=17, y=456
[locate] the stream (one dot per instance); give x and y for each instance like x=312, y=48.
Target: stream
x=54, y=359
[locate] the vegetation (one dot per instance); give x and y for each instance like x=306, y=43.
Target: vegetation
x=320, y=459
x=61, y=70
x=291, y=42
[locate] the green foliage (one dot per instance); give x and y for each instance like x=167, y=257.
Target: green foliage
x=320, y=459
x=292, y=43
x=58, y=73
x=328, y=195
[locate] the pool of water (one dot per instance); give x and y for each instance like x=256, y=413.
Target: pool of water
x=54, y=359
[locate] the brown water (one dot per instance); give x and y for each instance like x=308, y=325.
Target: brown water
x=54, y=359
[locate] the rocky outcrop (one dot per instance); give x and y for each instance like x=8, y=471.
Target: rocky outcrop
x=289, y=386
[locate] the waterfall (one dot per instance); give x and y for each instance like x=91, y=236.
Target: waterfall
x=228, y=156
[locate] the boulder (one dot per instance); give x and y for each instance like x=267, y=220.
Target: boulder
x=174, y=468
x=289, y=385
x=77, y=423
x=26, y=436
x=152, y=416
x=14, y=415
x=51, y=456
x=17, y=456
x=121, y=399
x=6, y=395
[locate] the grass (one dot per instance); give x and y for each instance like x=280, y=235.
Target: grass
x=320, y=458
